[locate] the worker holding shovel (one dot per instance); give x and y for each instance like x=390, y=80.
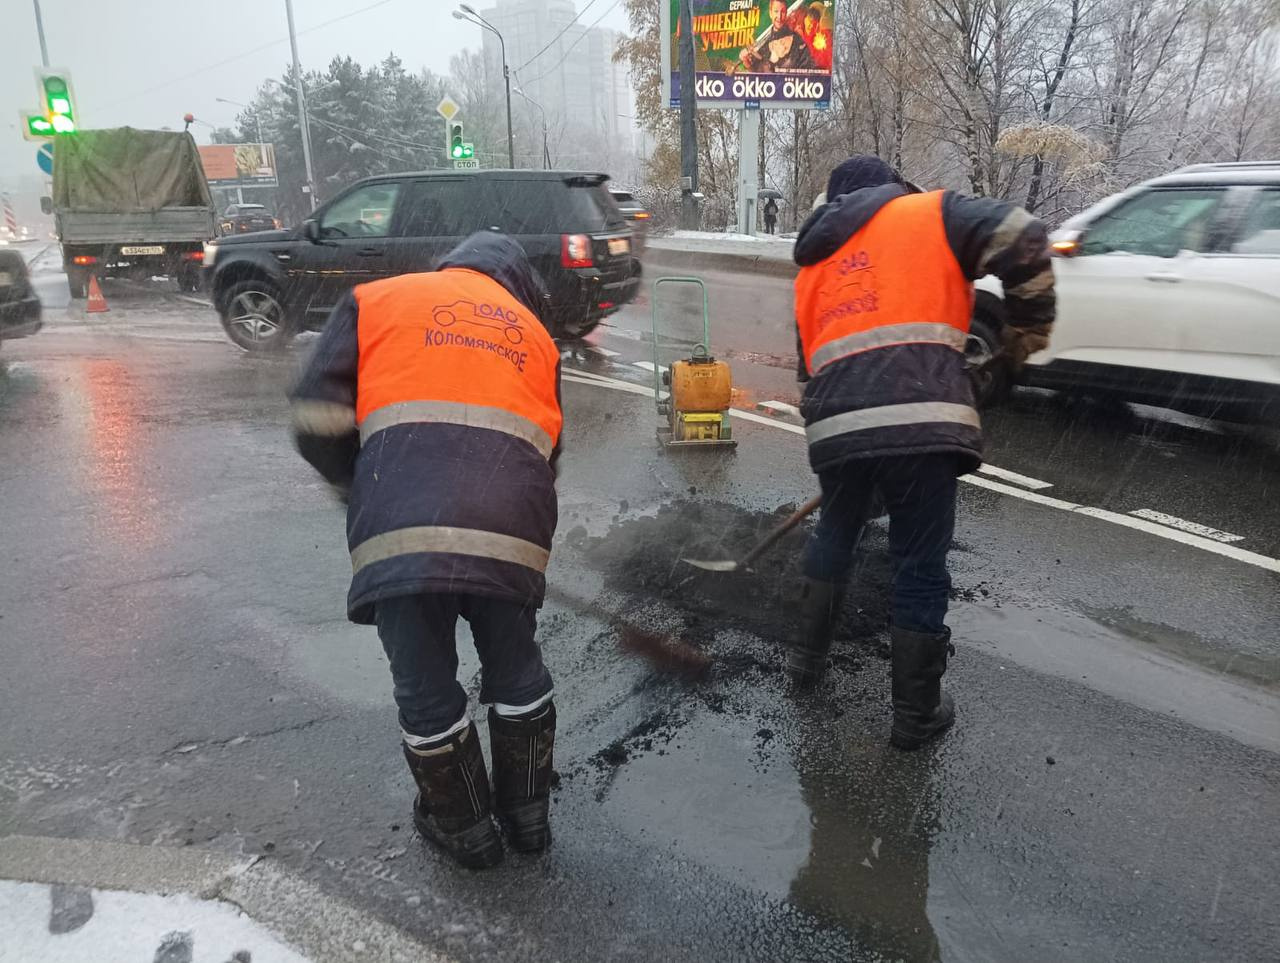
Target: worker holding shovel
x=883, y=302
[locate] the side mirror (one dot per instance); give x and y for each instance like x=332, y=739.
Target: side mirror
x=46, y=205
x=1067, y=243
x=311, y=230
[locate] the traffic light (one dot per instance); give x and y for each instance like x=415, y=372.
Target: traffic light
x=38, y=126
x=58, y=103
x=457, y=149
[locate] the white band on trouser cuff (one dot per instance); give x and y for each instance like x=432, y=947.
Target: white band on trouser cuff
x=427, y=742
x=502, y=709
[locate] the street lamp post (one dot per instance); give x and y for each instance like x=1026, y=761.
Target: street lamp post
x=303, y=126
x=546, y=152
x=44, y=50
x=506, y=72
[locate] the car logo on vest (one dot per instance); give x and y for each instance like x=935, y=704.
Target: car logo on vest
x=481, y=315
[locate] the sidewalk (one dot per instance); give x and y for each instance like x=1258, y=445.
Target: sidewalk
x=70, y=901
x=759, y=254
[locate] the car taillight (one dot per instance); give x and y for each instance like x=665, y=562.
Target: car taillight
x=575, y=251
x=193, y=256
x=605, y=305
x=84, y=259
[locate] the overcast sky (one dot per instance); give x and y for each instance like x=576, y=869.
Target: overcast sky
x=145, y=63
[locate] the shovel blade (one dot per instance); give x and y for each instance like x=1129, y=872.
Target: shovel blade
x=709, y=566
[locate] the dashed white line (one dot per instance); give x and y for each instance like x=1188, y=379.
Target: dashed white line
x=779, y=407
x=1126, y=521
x=603, y=352
x=1195, y=528
x=647, y=365
x=1035, y=484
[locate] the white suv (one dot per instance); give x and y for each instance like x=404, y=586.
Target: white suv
x=1169, y=293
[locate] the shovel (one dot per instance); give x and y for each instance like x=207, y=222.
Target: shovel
x=766, y=543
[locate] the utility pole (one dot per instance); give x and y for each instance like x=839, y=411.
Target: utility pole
x=688, y=126
x=302, y=107
x=44, y=50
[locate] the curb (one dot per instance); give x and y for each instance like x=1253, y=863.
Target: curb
x=298, y=912
x=656, y=256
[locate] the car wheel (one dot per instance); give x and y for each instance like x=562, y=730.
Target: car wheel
x=991, y=382
x=254, y=317
x=78, y=284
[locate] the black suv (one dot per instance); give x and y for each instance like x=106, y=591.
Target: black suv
x=269, y=285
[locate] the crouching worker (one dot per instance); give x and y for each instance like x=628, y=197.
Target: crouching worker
x=432, y=404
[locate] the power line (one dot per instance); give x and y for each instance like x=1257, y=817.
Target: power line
x=241, y=56
x=557, y=36
x=564, y=56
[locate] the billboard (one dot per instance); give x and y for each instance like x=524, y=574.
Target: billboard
x=753, y=53
x=239, y=165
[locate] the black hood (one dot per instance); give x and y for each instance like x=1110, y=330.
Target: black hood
x=257, y=237
x=836, y=221
x=504, y=260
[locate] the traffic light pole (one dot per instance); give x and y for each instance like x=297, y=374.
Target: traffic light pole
x=303, y=126
x=44, y=50
x=511, y=140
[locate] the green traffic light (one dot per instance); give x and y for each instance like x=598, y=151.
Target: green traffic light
x=39, y=126
x=457, y=151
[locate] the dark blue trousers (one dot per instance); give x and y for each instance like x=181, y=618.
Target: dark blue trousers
x=919, y=493
x=417, y=632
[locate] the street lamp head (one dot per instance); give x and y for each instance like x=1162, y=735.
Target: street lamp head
x=467, y=8
x=459, y=15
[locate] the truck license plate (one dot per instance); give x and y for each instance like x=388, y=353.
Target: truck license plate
x=143, y=249
x=619, y=245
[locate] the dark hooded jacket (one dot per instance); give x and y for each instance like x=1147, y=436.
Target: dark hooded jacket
x=985, y=236
x=438, y=475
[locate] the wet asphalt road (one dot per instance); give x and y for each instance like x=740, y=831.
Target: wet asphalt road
x=178, y=671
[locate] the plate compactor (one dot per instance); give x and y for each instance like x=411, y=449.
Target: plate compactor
x=698, y=389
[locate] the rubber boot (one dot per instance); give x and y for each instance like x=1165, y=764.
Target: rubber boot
x=452, y=809
x=819, y=609
x=522, y=750
x=921, y=710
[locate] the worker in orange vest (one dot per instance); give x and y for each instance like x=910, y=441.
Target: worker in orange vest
x=432, y=403
x=883, y=302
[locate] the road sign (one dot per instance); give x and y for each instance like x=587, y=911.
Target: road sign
x=44, y=158
x=447, y=108
x=470, y=164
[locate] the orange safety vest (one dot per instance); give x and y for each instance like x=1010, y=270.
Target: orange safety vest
x=895, y=281
x=454, y=347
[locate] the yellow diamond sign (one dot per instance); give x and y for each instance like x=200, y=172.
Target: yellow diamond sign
x=447, y=108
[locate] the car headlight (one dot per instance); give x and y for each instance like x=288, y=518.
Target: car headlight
x=210, y=253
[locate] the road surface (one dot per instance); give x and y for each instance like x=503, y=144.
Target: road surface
x=179, y=671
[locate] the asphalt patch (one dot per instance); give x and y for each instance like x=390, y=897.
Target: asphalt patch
x=641, y=557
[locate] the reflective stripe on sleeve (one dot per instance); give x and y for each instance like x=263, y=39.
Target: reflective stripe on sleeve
x=328, y=418
x=880, y=337
x=455, y=541
x=456, y=413
x=888, y=416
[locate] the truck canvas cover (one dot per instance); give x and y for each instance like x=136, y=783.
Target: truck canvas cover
x=123, y=170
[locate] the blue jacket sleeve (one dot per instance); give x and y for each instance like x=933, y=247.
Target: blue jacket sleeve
x=324, y=399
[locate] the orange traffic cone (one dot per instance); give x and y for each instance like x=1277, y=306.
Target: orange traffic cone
x=97, y=303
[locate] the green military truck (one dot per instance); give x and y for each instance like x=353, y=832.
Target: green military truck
x=130, y=203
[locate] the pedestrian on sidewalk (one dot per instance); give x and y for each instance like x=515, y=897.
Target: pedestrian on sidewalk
x=770, y=215
x=432, y=403
x=883, y=302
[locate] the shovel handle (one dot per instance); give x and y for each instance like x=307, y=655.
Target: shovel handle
x=800, y=514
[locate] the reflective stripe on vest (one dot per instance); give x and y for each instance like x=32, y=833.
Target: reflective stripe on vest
x=456, y=413
x=892, y=416
x=454, y=541
x=459, y=339
x=894, y=281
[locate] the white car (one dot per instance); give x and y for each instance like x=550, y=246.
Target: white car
x=1169, y=294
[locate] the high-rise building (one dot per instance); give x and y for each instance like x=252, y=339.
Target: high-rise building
x=568, y=68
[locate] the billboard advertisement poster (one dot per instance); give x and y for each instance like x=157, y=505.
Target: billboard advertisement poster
x=753, y=53
x=239, y=165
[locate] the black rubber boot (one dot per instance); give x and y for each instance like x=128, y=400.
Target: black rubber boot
x=522, y=750
x=452, y=808
x=921, y=710
x=819, y=609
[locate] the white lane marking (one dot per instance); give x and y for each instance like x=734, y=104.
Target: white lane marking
x=1012, y=476
x=647, y=365
x=1102, y=514
x=199, y=301
x=1195, y=528
x=600, y=381
x=780, y=407
x=603, y=352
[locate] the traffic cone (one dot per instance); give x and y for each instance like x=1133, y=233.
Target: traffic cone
x=97, y=303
